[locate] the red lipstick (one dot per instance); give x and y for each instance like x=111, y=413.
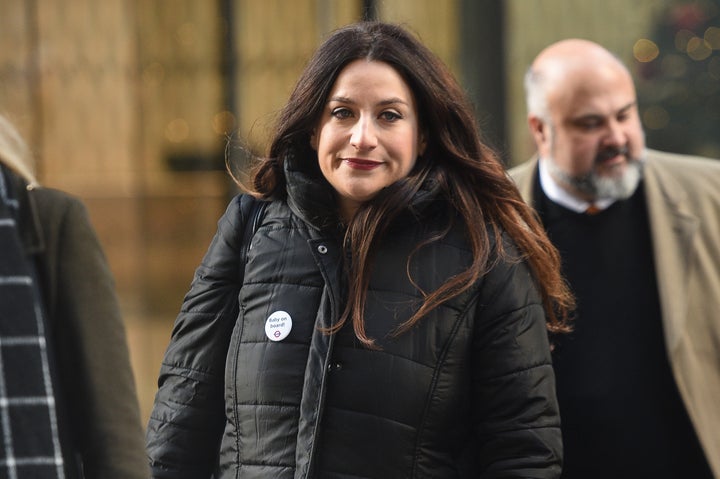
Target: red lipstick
x=362, y=164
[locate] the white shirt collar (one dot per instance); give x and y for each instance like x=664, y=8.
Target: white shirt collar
x=560, y=196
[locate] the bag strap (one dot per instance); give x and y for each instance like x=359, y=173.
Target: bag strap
x=253, y=219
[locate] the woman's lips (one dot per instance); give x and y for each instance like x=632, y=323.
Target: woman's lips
x=361, y=164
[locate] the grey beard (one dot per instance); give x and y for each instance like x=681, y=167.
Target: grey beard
x=596, y=187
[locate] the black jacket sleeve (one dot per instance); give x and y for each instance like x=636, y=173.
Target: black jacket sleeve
x=187, y=419
x=516, y=410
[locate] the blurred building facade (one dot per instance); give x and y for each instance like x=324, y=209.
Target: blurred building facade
x=129, y=103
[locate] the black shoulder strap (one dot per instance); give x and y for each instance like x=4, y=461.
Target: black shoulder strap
x=252, y=222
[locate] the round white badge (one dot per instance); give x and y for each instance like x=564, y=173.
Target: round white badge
x=278, y=326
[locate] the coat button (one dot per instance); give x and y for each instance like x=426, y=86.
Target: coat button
x=322, y=249
x=334, y=367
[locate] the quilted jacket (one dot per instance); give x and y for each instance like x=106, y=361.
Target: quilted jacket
x=252, y=386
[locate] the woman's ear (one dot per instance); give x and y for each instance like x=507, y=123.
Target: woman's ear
x=422, y=144
x=313, y=139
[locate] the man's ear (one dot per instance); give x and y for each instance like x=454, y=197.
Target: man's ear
x=538, y=130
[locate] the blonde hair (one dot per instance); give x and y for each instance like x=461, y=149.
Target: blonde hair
x=14, y=152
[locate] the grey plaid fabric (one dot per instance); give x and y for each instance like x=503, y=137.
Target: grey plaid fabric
x=29, y=438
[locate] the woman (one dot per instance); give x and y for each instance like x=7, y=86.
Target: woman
x=70, y=408
x=391, y=319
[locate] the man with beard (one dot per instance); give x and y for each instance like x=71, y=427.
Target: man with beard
x=638, y=380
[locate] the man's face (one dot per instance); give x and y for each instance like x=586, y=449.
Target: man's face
x=593, y=139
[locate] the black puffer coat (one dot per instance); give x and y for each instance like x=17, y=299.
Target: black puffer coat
x=468, y=392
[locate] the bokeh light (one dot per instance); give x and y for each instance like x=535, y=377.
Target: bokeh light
x=698, y=49
x=645, y=50
x=223, y=122
x=655, y=118
x=177, y=130
x=712, y=37
x=187, y=34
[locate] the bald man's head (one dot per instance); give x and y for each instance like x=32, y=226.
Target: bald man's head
x=565, y=61
x=582, y=113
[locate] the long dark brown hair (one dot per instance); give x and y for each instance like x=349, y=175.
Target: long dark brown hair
x=466, y=170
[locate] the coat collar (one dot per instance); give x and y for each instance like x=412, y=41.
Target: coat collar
x=312, y=198
x=309, y=196
x=29, y=226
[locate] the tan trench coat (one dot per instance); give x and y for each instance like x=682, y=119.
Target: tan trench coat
x=683, y=199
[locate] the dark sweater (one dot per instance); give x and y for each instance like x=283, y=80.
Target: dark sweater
x=622, y=415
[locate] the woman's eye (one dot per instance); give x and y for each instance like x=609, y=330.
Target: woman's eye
x=341, y=113
x=390, y=116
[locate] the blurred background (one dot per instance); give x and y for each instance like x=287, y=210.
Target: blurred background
x=128, y=104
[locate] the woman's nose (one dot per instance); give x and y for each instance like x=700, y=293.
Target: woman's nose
x=363, y=135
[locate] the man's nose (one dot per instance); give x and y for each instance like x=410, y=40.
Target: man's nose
x=615, y=135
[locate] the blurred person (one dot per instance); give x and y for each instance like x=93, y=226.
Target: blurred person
x=392, y=318
x=638, y=230
x=68, y=406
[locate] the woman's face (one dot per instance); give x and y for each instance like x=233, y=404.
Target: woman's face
x=367, y=137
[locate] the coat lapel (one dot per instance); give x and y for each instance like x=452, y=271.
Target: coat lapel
x=673, y=228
